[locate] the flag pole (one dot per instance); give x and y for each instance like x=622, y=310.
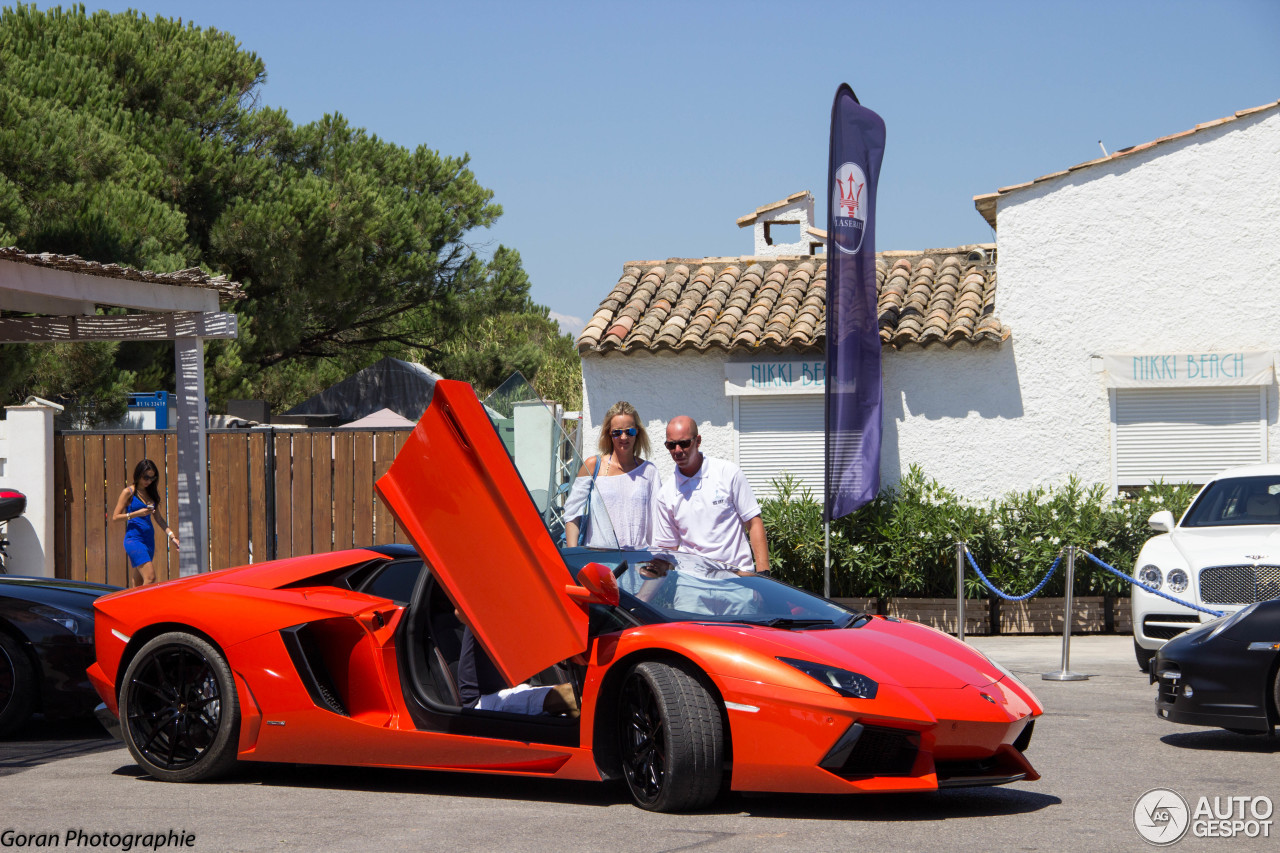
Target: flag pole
x=826, y=561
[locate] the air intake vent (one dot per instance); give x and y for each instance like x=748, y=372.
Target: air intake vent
x=306, y=657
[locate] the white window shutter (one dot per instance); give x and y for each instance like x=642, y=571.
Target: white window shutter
x=778, y=435
x=1187, y=434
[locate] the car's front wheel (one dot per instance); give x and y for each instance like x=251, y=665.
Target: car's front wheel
x=671, y=738
x=17, y=685
x=1144, y=656
x=179, y=712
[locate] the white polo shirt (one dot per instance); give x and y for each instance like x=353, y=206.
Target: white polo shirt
x=705, y=513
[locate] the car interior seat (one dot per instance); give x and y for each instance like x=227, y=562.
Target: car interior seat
x=1263, y=506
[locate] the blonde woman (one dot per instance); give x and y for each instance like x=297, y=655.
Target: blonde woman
x=619, y=481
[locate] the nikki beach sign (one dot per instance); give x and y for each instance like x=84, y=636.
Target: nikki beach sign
x=1165, y=370
x=744, y=378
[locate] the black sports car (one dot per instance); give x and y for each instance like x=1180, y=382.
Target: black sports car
x=1223, y=673
x=46, y=643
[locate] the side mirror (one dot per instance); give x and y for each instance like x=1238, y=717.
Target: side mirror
x=596, y=585
x=1161, y=521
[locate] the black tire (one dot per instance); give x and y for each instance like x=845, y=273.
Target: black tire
x=1275, y=695
x=671, y=739
x=179, y=712
x=1144, y=656
x=17, y=686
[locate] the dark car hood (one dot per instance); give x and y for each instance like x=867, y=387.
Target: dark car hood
x=56, y=591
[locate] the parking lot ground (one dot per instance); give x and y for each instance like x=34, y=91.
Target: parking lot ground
x=1099, y=747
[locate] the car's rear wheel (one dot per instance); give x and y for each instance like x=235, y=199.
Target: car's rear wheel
x=1144, y=656
x=17, y=685
x=671, y=738
x=179, y=712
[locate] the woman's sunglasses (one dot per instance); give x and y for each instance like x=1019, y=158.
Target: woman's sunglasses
x=683, y=444
x=619, y=433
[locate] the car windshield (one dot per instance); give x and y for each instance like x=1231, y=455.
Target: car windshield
x=673, y=586
x=1236, y=500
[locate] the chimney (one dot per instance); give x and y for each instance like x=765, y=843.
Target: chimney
x=784, y=227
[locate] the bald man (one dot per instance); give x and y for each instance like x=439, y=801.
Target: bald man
x=708, y=507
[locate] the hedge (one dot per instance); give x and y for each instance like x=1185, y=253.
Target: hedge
x=903, y=542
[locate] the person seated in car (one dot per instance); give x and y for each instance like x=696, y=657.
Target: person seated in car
x=483, y=688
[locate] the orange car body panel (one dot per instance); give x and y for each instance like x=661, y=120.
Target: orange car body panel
x=519, y=611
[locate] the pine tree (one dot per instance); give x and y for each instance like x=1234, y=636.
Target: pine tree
x=142, y=141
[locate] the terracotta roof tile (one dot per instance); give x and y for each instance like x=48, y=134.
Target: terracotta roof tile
x=933, y=298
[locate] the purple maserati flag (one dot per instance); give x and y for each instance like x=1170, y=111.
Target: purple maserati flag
x=854, y=395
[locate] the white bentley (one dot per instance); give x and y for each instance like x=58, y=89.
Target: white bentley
x=1223, y=555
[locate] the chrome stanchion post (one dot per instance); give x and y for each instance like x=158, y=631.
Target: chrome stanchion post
x=1065, y=674
x=960, y=546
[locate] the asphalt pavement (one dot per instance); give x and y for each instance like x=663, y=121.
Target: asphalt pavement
x=1099, y=748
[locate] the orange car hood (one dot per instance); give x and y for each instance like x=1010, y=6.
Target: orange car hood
x=458, y=497
x=891, y=652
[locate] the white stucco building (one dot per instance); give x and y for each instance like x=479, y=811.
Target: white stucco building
x=1133, y=336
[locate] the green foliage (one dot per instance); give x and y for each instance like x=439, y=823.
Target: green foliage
x=141, y=141
x=903, y=542
x=528, y=342
x=45, y=371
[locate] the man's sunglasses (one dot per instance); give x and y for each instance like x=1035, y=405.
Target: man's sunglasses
x=683, y=444
x=619, y=433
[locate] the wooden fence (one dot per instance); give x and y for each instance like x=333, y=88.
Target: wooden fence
x=272, y=493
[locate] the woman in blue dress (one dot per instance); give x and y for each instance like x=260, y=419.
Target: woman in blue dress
x=137, y=508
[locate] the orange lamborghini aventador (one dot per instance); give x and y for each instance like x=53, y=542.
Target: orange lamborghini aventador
x=691, y=680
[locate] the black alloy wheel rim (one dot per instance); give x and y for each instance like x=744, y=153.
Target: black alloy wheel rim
x=175, y=707
x=8, y=678
x=644, y=741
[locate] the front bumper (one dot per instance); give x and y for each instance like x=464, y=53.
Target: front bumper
x=1228, y=685
x=906, y=739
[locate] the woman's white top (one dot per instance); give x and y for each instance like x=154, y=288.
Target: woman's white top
x=630, y=501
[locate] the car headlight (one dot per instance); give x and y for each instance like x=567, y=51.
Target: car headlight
x=846, y=683
x=1226, y=622
x=1151, y=576
x=78, y=624
x=1178, y=580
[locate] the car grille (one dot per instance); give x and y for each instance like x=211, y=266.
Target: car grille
x=1167, y=685
x=1239, y=584
x=1166, y=632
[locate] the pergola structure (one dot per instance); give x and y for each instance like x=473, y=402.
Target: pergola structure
x=56, y=298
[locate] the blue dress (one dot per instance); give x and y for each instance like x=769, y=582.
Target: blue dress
x=139, y=535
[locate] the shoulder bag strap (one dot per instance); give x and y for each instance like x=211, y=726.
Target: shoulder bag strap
x=586, y=515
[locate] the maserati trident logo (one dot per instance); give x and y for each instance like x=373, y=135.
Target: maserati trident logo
x=849, y=203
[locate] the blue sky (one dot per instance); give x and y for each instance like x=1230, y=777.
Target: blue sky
x=612, y=132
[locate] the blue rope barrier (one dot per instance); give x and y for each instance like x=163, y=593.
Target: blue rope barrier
x=1149, y=589
x=1002, y=594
